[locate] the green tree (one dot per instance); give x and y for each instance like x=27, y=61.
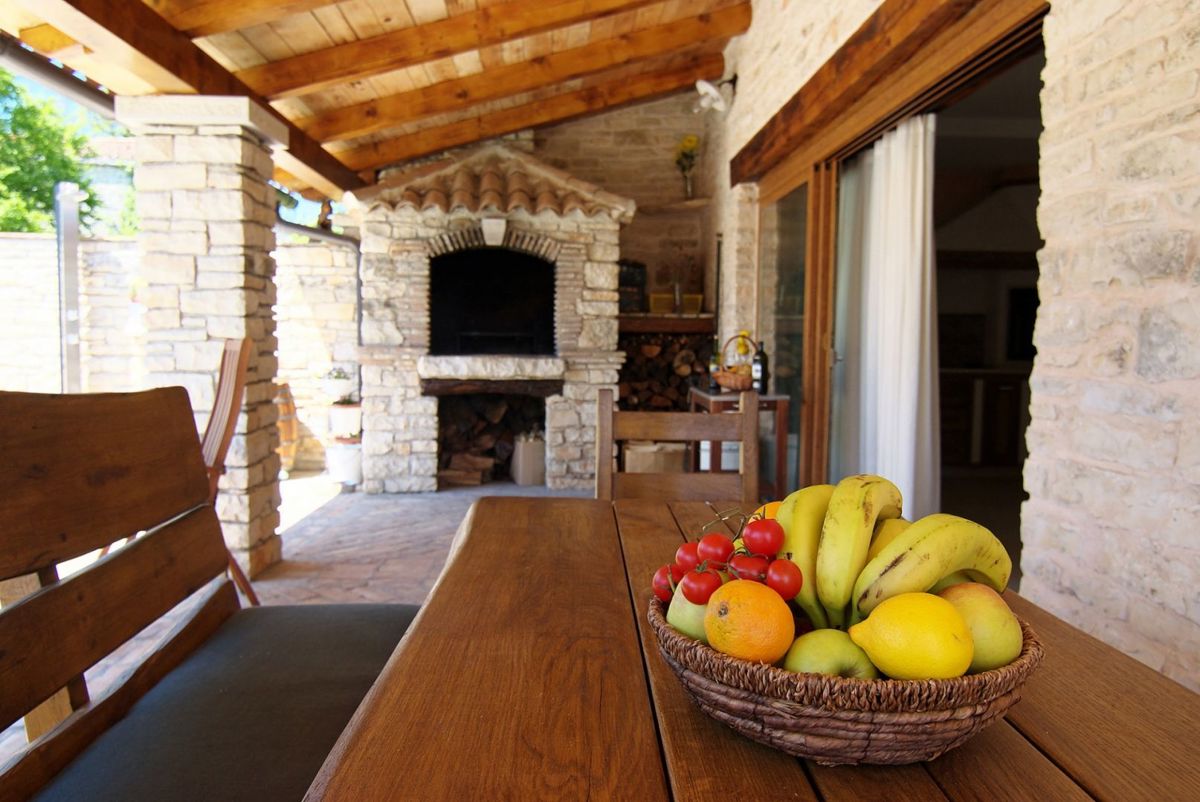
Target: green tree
x=38, y=149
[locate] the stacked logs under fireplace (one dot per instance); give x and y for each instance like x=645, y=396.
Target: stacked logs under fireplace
x=477, y=433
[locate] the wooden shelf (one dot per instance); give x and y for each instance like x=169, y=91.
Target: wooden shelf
x=666, y=324
x=689, y=205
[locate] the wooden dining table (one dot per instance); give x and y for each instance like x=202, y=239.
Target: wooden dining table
x=531, y=673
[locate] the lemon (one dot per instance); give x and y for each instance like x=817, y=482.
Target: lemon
x=916, y=636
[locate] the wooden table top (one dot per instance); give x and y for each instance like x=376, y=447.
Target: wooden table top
x=531, y=673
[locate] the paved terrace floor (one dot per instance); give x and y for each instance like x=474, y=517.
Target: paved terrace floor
x=338, y=548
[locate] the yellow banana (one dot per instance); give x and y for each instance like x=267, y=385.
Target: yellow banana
x=801, y=516
x=886, y=531
x=855, y=506
x=928, y=551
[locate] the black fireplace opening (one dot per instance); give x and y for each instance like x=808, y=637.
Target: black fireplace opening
x=491, y=301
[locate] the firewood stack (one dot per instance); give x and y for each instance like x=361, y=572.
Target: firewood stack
x=476, y=435
x=659, y=369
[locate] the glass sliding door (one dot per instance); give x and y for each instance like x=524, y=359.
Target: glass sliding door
x=783, y=238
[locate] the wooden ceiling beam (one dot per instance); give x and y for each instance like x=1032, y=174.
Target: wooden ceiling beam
x=208, y=17
x=361, y=119
x=542, y=112
x=46, y=39
x=133, y=36
x=410, y=47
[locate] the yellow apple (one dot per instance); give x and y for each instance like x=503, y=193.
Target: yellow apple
x=994, y=628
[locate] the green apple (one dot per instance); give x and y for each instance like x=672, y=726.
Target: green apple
x=829, y=651
x=994, y=628
x=686, y=617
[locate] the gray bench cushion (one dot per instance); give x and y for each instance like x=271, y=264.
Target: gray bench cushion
x=250, y=715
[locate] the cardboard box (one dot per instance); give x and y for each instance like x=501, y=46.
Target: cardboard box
x=649, y=457
x=529, y=462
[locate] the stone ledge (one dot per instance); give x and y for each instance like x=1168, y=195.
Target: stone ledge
x=195, y=110
x=490, y=367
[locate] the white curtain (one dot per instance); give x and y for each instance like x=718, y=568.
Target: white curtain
x=894, y=383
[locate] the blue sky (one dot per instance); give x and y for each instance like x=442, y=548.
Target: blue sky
x=305, y=212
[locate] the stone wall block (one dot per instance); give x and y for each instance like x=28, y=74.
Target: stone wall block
x=1169, y=341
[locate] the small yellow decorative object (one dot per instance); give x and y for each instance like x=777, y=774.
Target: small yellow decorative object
x=685, y=153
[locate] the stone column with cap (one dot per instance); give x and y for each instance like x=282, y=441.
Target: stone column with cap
x=206, y=274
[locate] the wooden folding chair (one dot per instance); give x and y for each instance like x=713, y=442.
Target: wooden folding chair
x=692, y=427
x=218, y=434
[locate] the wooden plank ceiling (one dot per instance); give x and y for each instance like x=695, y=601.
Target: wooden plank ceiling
x=368, y=83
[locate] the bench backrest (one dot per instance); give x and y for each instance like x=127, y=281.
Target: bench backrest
x=78, y=472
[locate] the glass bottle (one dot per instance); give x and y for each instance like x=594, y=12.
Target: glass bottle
x=760, y=370
x=714, y=365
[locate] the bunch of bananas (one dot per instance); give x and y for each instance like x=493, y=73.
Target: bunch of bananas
x=855, y=550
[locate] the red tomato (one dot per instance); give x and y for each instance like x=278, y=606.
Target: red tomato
x=785, y=578
x=698, y=586
x=687, y=557
x=763, y=536
x=748, y=566
x=665, y=580
x=715, y=548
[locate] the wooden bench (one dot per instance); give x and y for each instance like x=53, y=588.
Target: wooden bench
x=233, y=703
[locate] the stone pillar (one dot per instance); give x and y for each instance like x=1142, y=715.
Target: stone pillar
x=207, y=217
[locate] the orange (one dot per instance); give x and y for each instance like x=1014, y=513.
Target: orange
x=749, y=620
x=767, y=510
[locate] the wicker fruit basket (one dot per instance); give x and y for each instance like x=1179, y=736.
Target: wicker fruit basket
x=842, y=721
x=728, y=377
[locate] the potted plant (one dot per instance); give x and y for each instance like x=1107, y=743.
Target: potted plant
x=338, y=383
x=345, y=417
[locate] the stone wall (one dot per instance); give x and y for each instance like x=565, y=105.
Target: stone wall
x=1113, y=474
x=317, y=329
x=111, y=317
x=1114, y=467
x=631, y=152
x=29, y=328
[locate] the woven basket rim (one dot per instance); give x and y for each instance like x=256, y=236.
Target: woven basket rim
x=838, y=693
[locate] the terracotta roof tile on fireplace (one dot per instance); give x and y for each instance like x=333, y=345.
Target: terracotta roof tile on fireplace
x=495, y=179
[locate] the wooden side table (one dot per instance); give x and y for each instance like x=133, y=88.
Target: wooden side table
x=714, y=402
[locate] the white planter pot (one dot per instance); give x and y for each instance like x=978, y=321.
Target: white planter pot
x=338, y=388
x=343, y=462
x=345, y=420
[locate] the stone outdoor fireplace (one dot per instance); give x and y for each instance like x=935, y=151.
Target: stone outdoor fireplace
x=489, y=274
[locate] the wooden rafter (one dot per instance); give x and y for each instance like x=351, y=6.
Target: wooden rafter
x=135, y=37
x=513, y=79
x=543, y=112
x=410, y=47
x=207, y=17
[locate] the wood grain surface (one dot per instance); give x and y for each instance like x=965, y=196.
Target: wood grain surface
x=521, y=679
x=498, y=692
x=135, y=464
x=706, y=759
x=1122, y=729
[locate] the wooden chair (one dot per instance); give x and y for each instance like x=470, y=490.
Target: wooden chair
x=232, y=703
x=613, y=427
x=218, y=434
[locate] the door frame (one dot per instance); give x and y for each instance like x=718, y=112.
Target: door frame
x=908, y=57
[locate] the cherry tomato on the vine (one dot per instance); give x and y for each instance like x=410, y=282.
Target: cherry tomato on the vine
x=665, y=580
x=748, y=566
x=785, y=578
x=687, y=557
x=698, y=586
x=715, y=548
x=763, y=536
